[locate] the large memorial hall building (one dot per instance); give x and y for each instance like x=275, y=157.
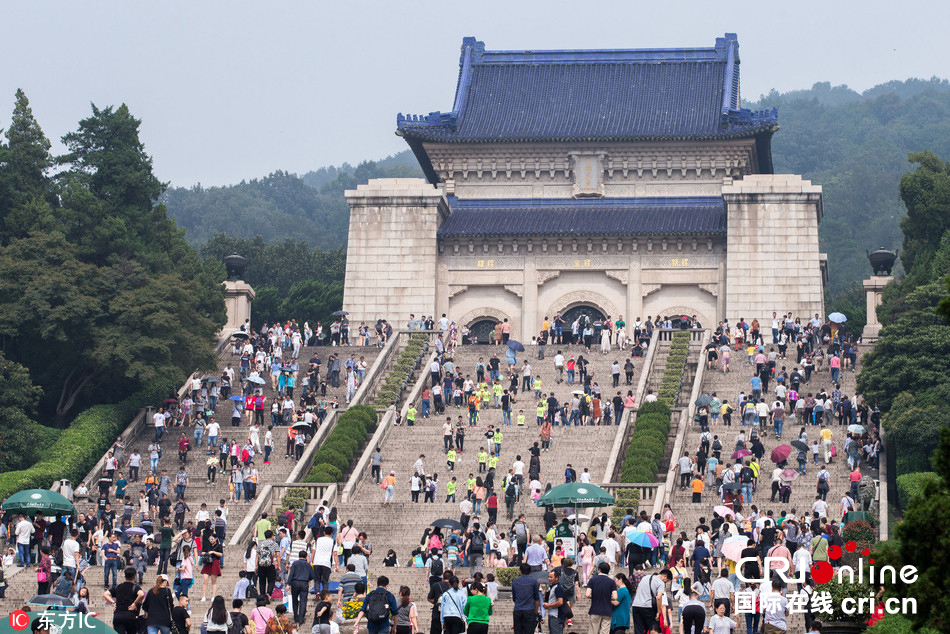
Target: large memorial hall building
x=610, y=182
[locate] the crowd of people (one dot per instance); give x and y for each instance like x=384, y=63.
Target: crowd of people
x=681, y=579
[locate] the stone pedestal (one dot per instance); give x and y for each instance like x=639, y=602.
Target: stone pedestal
x=238, y=296
x=872, y=289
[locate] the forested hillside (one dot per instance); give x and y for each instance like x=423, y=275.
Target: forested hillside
x=310, y=208
x=853, y=144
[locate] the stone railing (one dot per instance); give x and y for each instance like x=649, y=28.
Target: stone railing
x=139, y=424
x=382, y=431
x=685, y=419
x=883, y=489
x=648, y=490
x=666, y=334
x=620, y=440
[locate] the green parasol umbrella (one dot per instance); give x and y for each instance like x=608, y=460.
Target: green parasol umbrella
x=43, y=501
x=578, y=495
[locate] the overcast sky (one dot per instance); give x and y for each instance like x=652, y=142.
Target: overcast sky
x=237, y=89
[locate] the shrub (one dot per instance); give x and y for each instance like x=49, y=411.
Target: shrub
x=911, y=485
x=342, y=443
x=655, y=407
x=504, y=576
x=324, y=473
x=626, y=499
x=84, y=442
x=898, y=624
x=327, y=455
x=841, y=591
x=859, y=531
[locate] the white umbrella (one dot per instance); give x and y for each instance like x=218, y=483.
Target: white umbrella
x=578, y=517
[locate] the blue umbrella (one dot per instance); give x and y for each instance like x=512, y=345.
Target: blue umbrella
x=837, y=318
x=236, y=398
x=515, y=345
x=642, y=538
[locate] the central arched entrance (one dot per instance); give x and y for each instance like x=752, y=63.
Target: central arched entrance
x=583, y=310
x=481, y=331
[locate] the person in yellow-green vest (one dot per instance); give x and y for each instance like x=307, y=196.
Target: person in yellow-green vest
x=450, y=458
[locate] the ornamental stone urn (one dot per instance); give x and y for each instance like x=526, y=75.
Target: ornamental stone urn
x=882, y=261
x=236, y=266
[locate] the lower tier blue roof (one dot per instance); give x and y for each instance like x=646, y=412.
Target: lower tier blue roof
x=584, y=217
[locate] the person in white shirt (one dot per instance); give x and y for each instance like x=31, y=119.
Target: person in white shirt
x=71, y=552
x=559, y=367
x=720, y=623
x=821, y=507
x=202, y=515
x=24, y=532
x=255, y=436
x=322, y=559
x=775, y=607
x=585, y=476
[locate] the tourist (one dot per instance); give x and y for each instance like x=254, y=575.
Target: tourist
x=526, y=595
x=157, y=606
x=620, y=619
x=602, y=593
x=477, y=610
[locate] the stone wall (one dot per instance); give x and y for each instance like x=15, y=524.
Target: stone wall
x=392, y=249
x=772, y=258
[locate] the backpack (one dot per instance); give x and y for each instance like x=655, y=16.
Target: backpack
x=63, y=586
x=251, y=593
x=511, y=492
x=377, y=606
x=236, y=627
x=436, y=568
x=567, y=581
x=746, y=475
x=477, y=542
x=264, y=557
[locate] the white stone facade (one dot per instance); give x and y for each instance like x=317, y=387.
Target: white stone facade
x=768, y=261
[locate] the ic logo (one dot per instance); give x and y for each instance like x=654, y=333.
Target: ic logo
x=19, y=620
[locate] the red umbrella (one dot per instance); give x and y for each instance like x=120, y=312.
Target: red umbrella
x=780, y=453
x=740, y=454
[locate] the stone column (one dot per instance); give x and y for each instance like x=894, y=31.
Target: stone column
x=530, y=321
x=392, y=250
x=872, y=289
x=238, y=296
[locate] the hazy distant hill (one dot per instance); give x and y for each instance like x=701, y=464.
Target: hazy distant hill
x=853, y=144
x=310, y=208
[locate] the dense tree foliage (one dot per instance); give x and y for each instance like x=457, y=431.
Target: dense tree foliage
x=909, y=369
x=21, y=438
x=924, y=537
x=100, y=293
x=292, y=281
x=309, y=208
x=855, y=146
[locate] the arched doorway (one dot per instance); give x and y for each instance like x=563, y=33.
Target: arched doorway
x=584, y=312
x=480, y=332
x=591, y=312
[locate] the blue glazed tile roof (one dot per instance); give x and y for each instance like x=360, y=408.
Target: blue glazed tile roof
x=586, y=216
x=599, y=95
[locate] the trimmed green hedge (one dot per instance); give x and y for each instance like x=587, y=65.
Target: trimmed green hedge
x=85, y=441
x=353, y=428
x=391, y=389
x=626, y=499
x=504, y=576
x=651, y=433
x=911, y=485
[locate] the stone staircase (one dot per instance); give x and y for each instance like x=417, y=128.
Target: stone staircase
x=401, y=526
x=728, y=386
x=22, y=584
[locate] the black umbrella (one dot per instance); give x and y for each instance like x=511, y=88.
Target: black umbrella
x=51, y=600
x=209, y=381
x=241, y=335
x=797, y=444
x=340, y=313
x=732, y=486
x=448, y=524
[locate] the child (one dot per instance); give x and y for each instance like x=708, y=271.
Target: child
x=751, y=352
x=450, y=457
x=482, y=459
x=814, y=451
x=521, y=418
x=491, y=587
x=558, y=555
x=450, y=489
